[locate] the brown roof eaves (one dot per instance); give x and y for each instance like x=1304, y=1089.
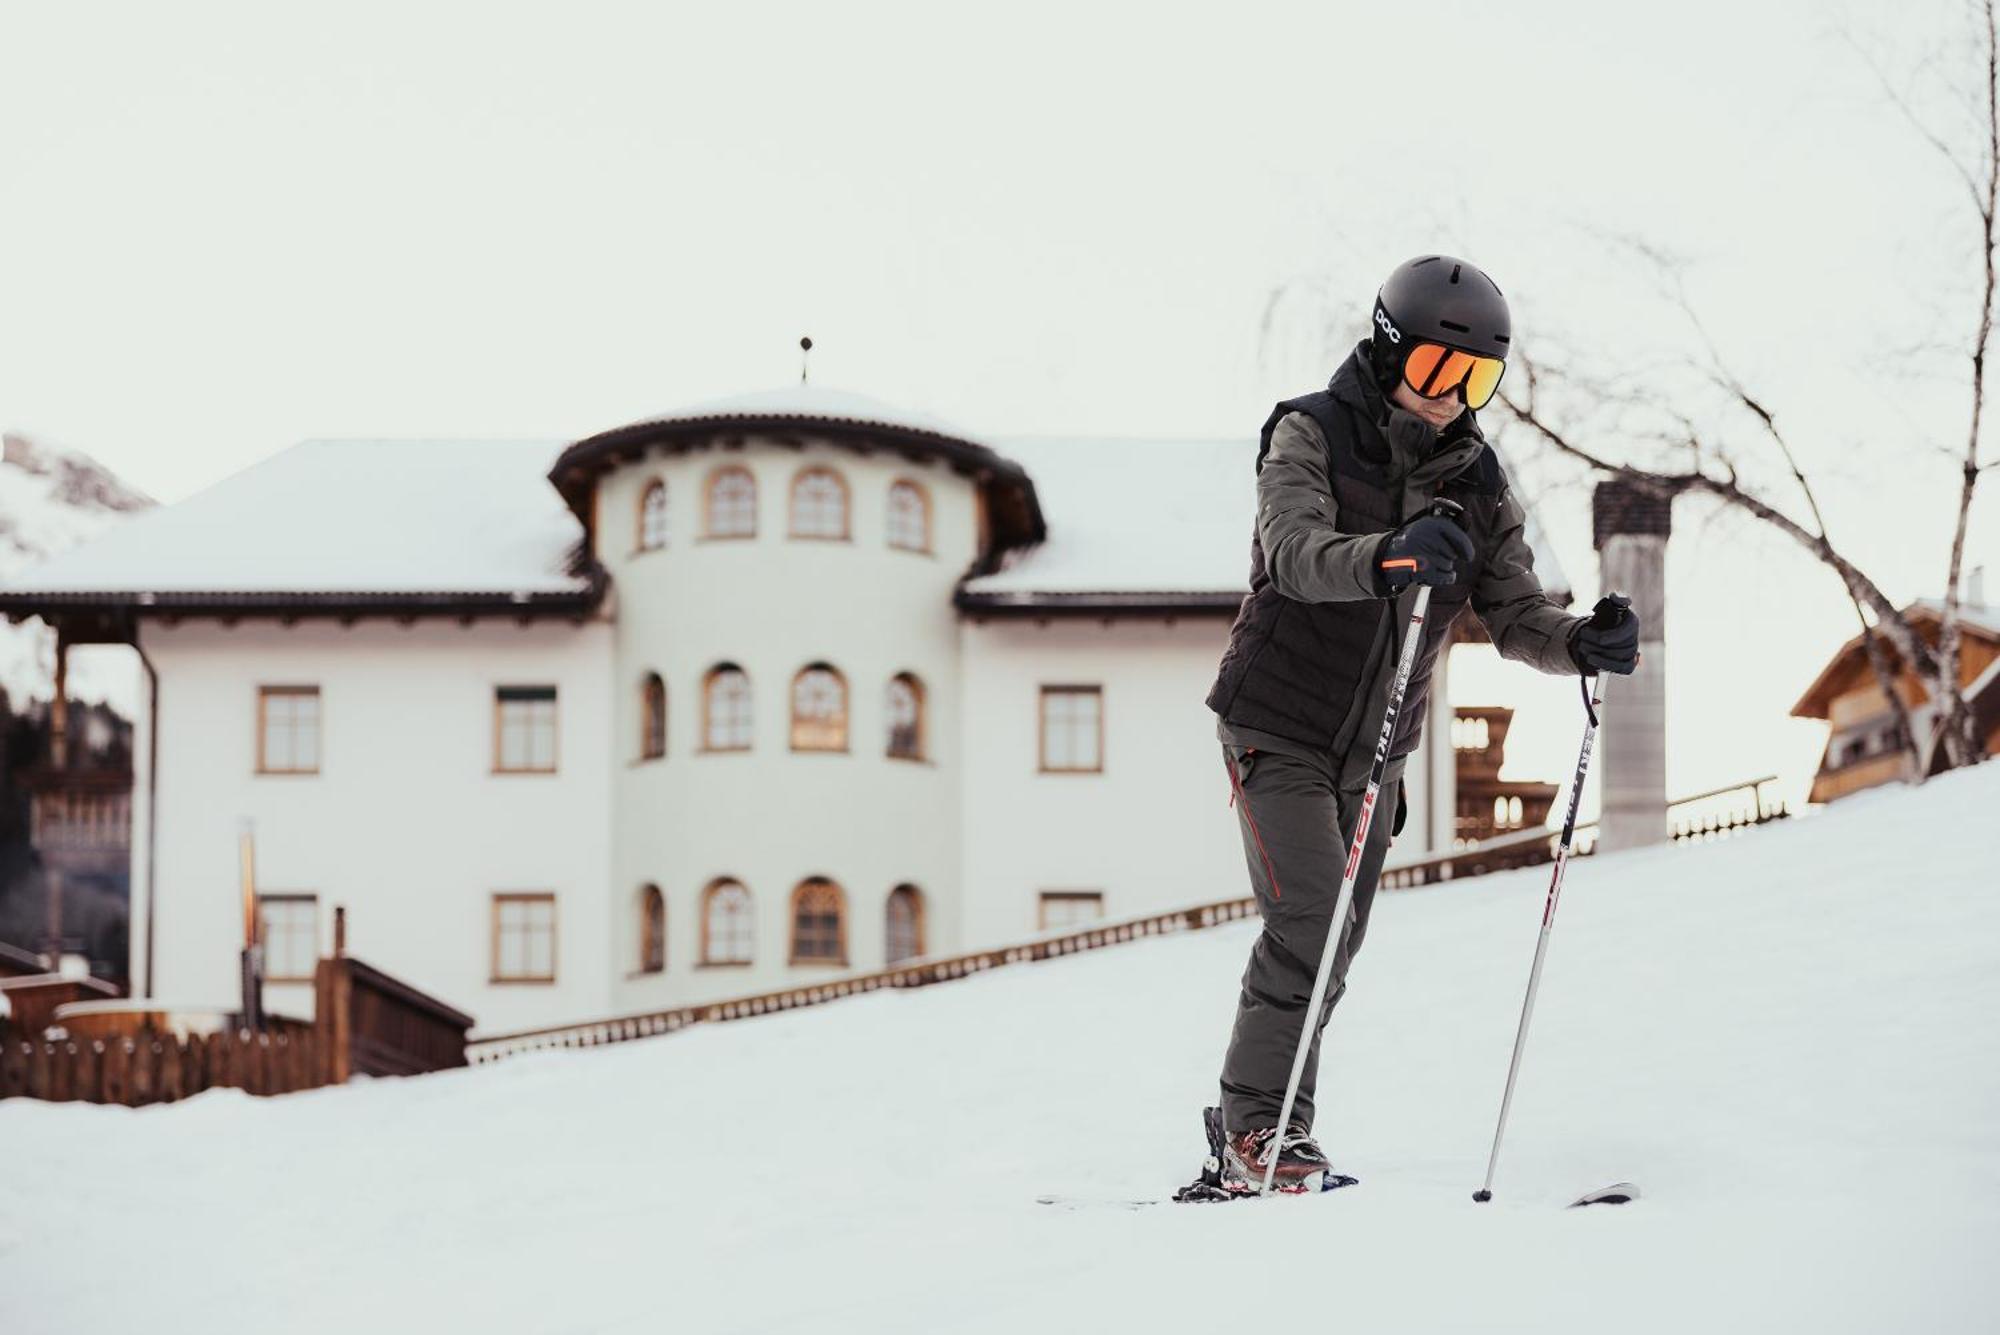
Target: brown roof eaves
x=1017, y=511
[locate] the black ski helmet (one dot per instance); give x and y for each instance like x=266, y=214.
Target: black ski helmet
x=1438, y=299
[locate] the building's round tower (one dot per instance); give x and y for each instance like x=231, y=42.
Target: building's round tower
x=786, y=682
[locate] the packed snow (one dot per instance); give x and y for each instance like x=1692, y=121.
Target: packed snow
x=1787, y=1039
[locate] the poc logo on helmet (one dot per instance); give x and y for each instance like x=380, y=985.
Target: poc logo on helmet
x=1382, y=318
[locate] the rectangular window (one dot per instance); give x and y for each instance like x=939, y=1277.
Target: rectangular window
x=1072, y=729
x=524, y=938
x=288, y=729
x=1069, y=908
x=524, y=729
x=289, y=926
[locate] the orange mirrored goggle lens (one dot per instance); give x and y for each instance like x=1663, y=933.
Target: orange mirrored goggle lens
x=1434, y=371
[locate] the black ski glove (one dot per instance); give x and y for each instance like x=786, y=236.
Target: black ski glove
x=1607, y=641
x=1427, y=550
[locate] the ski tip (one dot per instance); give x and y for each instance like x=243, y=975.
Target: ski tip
x=1618, y=1193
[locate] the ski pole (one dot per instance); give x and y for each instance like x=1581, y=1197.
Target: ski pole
x=1344, y=900
x=1605, y=614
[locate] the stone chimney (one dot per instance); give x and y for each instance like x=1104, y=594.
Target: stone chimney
x=1629, y=526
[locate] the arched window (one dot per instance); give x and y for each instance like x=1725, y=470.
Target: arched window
x=652, y=930
x=819, y=504
x=732, y=503
x=653, y=516
x=904, y=925
x=652, y=717
x=726, y=709
x=906, y=717
x=819, y=709
x=909, y=516
x=727, y=928
x=819, y=923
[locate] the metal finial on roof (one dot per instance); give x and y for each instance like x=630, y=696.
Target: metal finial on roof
x=805, y=356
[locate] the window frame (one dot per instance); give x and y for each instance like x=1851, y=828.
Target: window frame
x=493, y=975
x=499, y=730
x=919, y=925
x=1044, y=898
x=792, y=956
x=923, y=495
x=709, y=532
x=844, y=719
x=1042, y=729
x=792, y=532
x=643, y=542
x=708, y=746
x=652, y=930
x=916, y=684
x=265, y=694
x=652, y=717
x=708, y=895
x=293, y=897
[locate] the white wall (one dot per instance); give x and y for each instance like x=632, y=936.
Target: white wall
x=405, y=824
x=1153, y=831
x=771, y=817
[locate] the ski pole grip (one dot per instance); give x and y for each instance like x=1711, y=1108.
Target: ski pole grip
x=1611, y=610
x=1447, y=509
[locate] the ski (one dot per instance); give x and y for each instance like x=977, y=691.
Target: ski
x=1618, y=1193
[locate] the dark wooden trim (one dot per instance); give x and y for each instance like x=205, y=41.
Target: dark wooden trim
x=91, y=612
x=1105, y=603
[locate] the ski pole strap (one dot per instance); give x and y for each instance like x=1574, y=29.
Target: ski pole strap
x=1586, y=682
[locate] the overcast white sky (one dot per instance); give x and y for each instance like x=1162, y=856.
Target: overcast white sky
x=227, y=227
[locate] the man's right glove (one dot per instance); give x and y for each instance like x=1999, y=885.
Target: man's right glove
x=1426, y=550
x=1609, y=640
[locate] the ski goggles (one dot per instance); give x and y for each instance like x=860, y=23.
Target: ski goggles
x=1434, y=370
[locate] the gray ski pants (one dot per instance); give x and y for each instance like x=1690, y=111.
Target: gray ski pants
x=1296, y=823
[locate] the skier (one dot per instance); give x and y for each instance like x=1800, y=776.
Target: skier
x=1342, y=537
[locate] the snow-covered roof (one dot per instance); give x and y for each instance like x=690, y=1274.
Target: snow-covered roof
x=1168, y=519
x=327, y=518
x=812, y=403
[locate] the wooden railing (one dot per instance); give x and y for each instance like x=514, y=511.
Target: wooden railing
x=917, y=973
x=1527, y=848
x=380, y=1025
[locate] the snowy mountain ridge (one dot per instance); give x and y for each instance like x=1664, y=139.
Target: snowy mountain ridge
x=53, y=499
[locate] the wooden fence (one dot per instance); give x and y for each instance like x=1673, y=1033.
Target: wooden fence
x=365, y=1022
x=160, y=1068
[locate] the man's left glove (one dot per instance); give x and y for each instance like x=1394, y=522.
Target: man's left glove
x=1608, y=640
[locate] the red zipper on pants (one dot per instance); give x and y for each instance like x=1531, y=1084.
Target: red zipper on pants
x=1237, y=786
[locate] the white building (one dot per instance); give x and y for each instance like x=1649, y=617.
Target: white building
x=766, y=690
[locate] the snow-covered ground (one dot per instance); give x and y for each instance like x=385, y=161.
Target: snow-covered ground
x=1790, y=1040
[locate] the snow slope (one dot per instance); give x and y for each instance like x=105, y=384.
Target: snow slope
x=1789, y=1039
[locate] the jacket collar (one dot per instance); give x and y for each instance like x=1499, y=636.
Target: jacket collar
x=1395, y=439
